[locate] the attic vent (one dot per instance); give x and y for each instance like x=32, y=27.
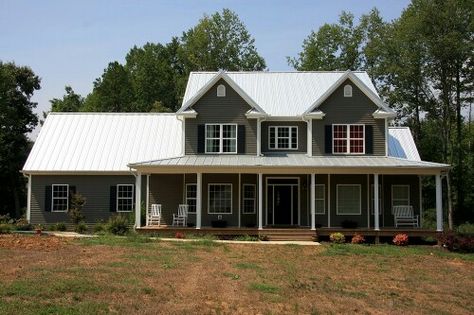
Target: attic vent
x=221, y=90
x=347, y=90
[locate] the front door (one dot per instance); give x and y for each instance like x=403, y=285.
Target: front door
x=282, y=204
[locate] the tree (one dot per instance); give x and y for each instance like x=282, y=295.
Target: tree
x=113, y=92
x=220, y=42
x=70, y=102
x=17, y=85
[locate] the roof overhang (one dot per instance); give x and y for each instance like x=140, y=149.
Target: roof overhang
x=314, y=115
x=190, y=113
x=381, y=114
x=220, y=75
x=80, y=172
x=253, y=114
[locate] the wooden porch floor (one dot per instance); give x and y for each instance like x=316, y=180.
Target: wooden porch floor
x=301, y=233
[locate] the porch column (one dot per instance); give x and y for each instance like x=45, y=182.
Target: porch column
x=376, y=202
x=313, y=202
x=138, y=199
x=439, y=204
x=147, y=198
x=198, y=200
x=260, y=201
x=28, y=201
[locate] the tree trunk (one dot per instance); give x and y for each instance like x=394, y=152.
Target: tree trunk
x=459, y=153
x=450, y=203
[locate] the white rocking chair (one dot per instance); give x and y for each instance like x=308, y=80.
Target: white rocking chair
x=404, y=216
x=181, y=218
x=154, y=217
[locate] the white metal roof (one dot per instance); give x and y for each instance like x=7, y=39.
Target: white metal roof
x=281, y=94
x=104, y=142
x=401, y=144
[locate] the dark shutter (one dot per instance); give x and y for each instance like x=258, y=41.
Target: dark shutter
x=241, y=139
x=328, y=139
x=113, y=198
x=201, y=138
x=369, y=139
x=72, y=191
x=48, y=196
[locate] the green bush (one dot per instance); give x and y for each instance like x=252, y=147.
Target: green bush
x=60, y=226
x=80, y=228
x=6, y=219
x=23, y=225
x=118, y=225
x=5, y=228
x=466, y=229
x=99, y=227
x=337, y=238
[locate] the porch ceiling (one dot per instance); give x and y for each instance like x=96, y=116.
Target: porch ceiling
x=289, y=163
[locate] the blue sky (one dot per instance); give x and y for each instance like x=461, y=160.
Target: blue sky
x=71, y=42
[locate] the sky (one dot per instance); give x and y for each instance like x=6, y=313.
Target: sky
x=71, y=42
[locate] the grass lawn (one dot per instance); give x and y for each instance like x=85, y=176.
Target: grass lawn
x=41, y=275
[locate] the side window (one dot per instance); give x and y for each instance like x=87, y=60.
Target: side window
x=60, y=198
x=400, y=195
x=320, y=196
x=248, y=202
x=124, y=197
x=191, y=195
x=283, y=137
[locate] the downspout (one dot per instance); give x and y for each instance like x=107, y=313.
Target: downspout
x=28, y=198
x=309, y=135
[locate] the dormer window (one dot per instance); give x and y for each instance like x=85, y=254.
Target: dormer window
x=221, y=138
x=348, y=90
x=221, y=90
x=348, y=139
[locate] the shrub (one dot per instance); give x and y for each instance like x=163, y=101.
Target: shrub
x=75, y=212
x=118, y=225
x=23, y=225
x=400, y=239
x=466, y=229
x=99, y=227
x=456, y=242
x=179, y=235
x=60, y=226
x=5, y=228
x=337, y=238
x=357, y=239
x=349, y=224
x=80, y=228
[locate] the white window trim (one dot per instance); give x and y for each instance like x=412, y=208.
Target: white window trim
x=337, y=200
x=186, y=196
x=372, y=199
x=406, y=186
x=254, y=198
x=221, y=90
x=348, y=139
x=323, y=199
x=53, y=198
x=117, y=198
x=347, y=90
x=290, y=143
x=221, y=138
x=209, y=198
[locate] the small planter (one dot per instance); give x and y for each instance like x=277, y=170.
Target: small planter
x=38, y=231
x=219, y=223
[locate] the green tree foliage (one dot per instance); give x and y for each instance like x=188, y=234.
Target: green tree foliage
x=70, y=102
x=17, y=85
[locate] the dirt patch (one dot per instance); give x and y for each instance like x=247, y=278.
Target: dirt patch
x=32, y=242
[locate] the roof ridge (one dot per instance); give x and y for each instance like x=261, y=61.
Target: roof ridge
x=113, y=113
x=281, y=71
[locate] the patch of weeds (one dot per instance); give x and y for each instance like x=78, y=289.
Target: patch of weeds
x=246, y=238
x=264, y=287
x=118, y=264
x=232, y=276
x=133, y=240
x=46, y=307
x=244, y=265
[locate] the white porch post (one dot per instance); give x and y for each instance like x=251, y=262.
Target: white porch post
x=260, y=201
x=309, y=137
x=240, y=198
x=198, y=200
x=439, y=204
x=28, y=201
x=313, y=202
x=259, y=137
x=147, y=197
x=376, y=202
x=329, y=200
x=138, y=199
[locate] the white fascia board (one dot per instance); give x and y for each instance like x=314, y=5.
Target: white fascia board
x=314, y=115
x=220, y=75
x=379, y=114
x=187, y=114
x=251, y=114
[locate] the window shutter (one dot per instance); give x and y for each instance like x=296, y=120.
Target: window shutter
x=201, y=138
x=48, y=195
x=369, y=139
x=113, y=199
x=72, y=191
x=241, y=139
x=328, y=139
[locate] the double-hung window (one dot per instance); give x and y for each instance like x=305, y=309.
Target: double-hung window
x=400, y=195
x=283, y=137
x=348, y=139
x=219, y=199
x=320, y=203
x=60, y=198
x=221, y=138
x=191, y=197
x=348, y=199
x=248, y=199
x=125, y=197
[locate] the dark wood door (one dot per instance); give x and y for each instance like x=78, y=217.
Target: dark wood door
x=283, y=205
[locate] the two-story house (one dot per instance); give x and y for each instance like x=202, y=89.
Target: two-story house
x=252, y=149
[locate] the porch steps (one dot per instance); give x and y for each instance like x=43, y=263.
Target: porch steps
x=288, y=234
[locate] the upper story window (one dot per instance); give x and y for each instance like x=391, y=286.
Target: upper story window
x=60, y=198
x=348, y=90
x=221, y=90
x=221, y=138
x=283, y=137
x=348, y=139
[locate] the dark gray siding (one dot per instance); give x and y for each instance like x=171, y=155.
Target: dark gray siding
x=167, y=190
x=357, y=109
x=96, y=190
x=228, y=109
x=302, y=135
